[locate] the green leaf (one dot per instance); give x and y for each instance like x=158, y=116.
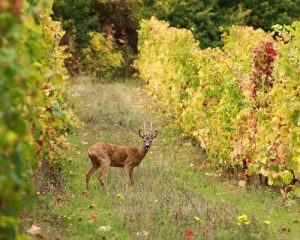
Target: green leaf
x=296, y=191
x=295, y=117
x=287, y=177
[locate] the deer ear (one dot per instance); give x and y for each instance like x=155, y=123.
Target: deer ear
x=141, y=133
x=154, y=134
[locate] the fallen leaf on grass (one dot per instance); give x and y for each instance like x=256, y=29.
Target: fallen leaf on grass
x=120, y=196
x=188, y=234
x=242, y=184
x=57, y=205
x=106, y=228
x=80, y=209
x=92, y=218
x=85, y=194
x=39, y=164
x=34, y=230
x=142, y=233
x=284, y=229
x=212, y=174
x=92, y=206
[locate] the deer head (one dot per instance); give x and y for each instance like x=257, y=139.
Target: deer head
x=147, y=136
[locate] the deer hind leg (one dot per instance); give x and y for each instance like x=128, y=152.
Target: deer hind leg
x=89, y=174
x=102, y=170
x=92, y=170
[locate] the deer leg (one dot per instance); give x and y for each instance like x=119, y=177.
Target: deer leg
x=127, y=176
x=101, y=175
x=131, y=176
x=89, y=174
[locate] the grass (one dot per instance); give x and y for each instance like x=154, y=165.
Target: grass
x=174, y=197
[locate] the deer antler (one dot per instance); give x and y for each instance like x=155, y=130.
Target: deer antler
x=146, y=129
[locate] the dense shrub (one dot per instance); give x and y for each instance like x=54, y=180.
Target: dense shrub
x=101, y=57
x=265, y=14
x=33, y=111
x=81, y=17
x=207, y=18
x=94, y=24
x=239, y=101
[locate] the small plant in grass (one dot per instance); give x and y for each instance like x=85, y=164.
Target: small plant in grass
x=243, y=220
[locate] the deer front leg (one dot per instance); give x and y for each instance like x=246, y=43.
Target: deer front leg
x=131, y=176
x=101, y=175
x=127, y=170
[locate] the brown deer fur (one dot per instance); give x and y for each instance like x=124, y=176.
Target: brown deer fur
x=104, y=155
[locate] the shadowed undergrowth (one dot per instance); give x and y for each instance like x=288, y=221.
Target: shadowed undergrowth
x=173, y=198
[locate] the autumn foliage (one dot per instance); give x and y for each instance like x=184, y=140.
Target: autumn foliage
x=241, y=102
x=34, y=116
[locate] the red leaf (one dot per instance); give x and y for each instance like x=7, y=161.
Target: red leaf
x=189, y=234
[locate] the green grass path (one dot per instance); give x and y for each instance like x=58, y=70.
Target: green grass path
x=173, y=197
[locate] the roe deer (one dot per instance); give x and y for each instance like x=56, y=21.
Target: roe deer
x=103, y=155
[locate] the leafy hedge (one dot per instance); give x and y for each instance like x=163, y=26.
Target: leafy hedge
x=33, y=111
x=241, y=101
